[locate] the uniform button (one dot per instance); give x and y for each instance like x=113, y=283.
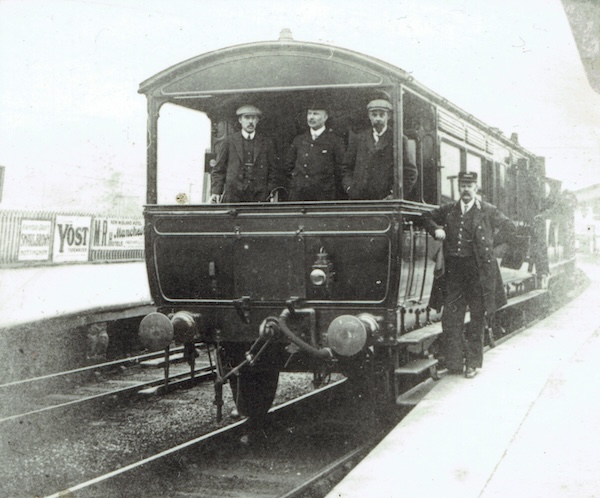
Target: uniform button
x=305, y=176
x=305, y=165
x=459, y=241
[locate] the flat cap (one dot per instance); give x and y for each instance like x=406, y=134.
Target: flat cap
x=467, y=176
x=379, y=105
x=249, y=109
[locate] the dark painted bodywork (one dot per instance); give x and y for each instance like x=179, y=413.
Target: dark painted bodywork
x=238, y=264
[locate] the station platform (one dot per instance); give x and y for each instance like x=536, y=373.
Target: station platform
x=33, y=294
x=526, y=425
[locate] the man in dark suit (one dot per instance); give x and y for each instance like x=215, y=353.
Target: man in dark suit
x=370, y=158
x=314, y=164
x=245, y=164
x=471, y=274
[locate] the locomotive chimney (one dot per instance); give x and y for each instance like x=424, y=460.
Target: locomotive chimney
x=286, y=35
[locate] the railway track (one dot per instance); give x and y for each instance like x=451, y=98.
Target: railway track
x=117, y=449
x=143, y=374
x=50, y=451
x=308, y=443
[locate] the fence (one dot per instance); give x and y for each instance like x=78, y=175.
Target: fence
x=46, y=237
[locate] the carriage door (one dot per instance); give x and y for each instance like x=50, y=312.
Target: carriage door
x=419, y=126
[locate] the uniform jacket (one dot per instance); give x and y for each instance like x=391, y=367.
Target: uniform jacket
x=235, y=180
x=371, y=166
x=491, y=228
x=314, y=169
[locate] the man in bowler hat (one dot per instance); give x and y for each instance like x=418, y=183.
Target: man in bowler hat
x=314, y=165
x=471, y=274
x=245, y=164
x=370, y=158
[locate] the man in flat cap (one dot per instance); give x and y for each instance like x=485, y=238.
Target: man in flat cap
x=370, y=158
x=314, y=164
x=245, y=164
x=469, y=229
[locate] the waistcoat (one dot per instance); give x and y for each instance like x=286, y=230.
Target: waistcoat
x=461, y=232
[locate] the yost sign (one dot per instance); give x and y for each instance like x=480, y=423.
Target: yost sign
x=71, y=238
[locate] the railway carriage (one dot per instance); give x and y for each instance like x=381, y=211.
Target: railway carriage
x=320, y=286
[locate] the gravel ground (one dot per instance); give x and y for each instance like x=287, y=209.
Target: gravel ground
x=48, y=455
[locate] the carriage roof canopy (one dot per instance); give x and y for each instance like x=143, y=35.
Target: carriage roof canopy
x=280, y=67
x=269, y=66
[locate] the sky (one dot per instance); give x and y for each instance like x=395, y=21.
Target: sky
x=71, y=118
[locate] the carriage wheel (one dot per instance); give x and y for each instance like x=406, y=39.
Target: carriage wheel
x=359, y=371
x=254, y=391
x=374, y=371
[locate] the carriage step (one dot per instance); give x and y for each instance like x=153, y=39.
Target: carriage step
x=412, y=397
x=514, y=301
x=421, y=335
x=416, y=367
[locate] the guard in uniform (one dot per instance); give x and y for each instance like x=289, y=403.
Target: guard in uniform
x=471, y=274
x=246, y=163
x=314, y=165
x=370, y=158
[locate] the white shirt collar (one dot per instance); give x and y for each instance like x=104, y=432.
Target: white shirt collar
x=377, y=135
x=248, y=136
x=465, y=207
x=317, y=133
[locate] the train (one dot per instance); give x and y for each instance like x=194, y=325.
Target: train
x=336, y=286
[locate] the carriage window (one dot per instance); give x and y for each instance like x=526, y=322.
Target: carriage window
x=450, y=159
x=183, y=138
x=474, y=166
x=419, y=125
x=501, y=154
x=501, y=176
x=411, y=146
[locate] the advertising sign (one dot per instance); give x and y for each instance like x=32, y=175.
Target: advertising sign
x=34, y=240
x=114, y=233
x=71, y=238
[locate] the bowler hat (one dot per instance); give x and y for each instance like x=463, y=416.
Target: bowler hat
x=317, y=105
x=379, y=105
x=248, y=109
x=467, y=176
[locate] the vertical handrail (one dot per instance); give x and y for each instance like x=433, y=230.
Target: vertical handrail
x=411, y=263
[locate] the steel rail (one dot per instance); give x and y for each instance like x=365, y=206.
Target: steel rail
x=191, y=443
x=131, y=359
x=302, y=488
x=206, y=372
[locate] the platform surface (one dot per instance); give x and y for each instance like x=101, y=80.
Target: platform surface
x=37, y=293
x=527, y=426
